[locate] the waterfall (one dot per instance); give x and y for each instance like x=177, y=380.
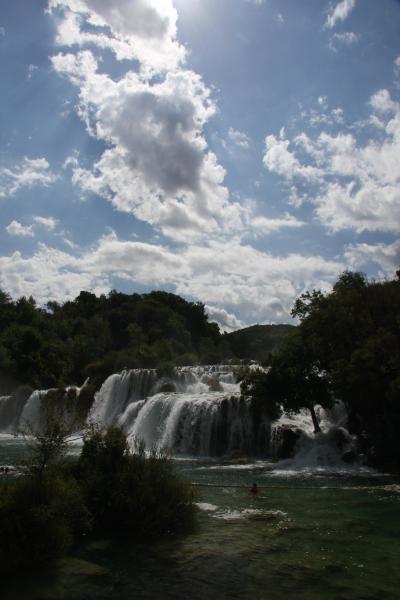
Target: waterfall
x=196, y=411
x=8, y=414
x=22, y=410
x=191, y=411
x=202, y=423
x=11, y=408
x=118, y=391
x=32, y=410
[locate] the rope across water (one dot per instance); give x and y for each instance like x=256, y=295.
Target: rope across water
x=288, y=487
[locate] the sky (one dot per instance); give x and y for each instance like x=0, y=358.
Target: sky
x=235, y=152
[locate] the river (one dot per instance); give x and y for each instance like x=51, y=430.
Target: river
x=309, y=533
x=318, y=529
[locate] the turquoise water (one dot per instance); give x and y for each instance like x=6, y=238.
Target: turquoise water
x=306, y=535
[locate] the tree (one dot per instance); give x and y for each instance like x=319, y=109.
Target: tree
x=47, y=441
x=347, y=347
x=294, y=381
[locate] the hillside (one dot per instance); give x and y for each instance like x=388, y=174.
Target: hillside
x=258, y=341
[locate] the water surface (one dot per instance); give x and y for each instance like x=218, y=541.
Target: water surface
x=308, y=534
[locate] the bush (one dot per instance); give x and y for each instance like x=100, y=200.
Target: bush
x=39, y=520
x=129, y=494
x=109, y=490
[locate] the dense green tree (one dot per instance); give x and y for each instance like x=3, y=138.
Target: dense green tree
x=96, y=336
x=347, y=347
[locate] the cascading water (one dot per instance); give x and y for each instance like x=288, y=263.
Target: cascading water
x=196, y=411
x=331, y=449
x=192, y=411
x=8, y=413
x=20, y=411
x=120, y=390
x=31, y=414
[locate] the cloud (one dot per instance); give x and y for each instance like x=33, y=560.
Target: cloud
x=322, y=114
x=31, y=71
x=339, y=13
x=265, y=225
x=226, y=321
x=17, y=229
x=27, y=174
x=353, y=184
x=238, y=138
x=264, y=292
x=144, y=30
x=279, y=159
x=386, y=256
x=382, y=103
x=397, y=71
x=49, y=223
x=157, y=165
x=47, y=275
x=347, y=38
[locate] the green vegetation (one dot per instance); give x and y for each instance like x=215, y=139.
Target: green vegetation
x=109, y=490
x=346, y=347
x=258, y=342
x=127, y=492
x=96, y=336
x=92, y=336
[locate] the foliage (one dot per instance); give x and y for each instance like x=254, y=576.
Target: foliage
x=38, y=520
x=347, y=346
x=254, y=387
x=96, y=336
x=48, y=442
x=109, y=490
x=258, y=342
x=128, y=493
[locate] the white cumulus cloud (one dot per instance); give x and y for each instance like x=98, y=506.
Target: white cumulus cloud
x=15, y=228
x=157, y=166
x=386, y=256
x=353, y=184
x=225, y=320
x=144, y=30
x=216, y=273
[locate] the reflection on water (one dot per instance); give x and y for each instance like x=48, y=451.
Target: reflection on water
x=315, y=536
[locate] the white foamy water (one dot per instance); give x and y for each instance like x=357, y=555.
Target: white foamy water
x=260, y=465
x=195, y=411
x=248, y=513
x=206, y=506
x=198, y=412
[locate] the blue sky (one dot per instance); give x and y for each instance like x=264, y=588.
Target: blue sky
x=236, y=152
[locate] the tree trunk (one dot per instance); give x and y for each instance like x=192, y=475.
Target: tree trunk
x=317, y=428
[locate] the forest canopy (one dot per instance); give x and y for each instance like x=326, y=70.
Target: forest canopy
x=62, y=344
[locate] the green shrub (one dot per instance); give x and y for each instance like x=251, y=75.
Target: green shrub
x=39, y=520
x=129, y=494
x=110, y=490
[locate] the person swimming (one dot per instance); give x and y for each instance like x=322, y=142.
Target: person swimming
x=254, y=489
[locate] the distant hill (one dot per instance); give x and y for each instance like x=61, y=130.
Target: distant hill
x=258, y=341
